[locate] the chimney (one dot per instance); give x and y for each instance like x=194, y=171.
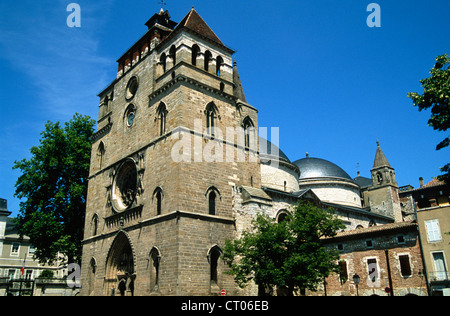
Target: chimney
x=3, y=205
x=421, y=182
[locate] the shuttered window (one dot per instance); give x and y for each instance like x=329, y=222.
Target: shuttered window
x=433, y=231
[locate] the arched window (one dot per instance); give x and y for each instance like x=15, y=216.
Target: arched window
x=283, y=215
x=161, y=116
x=195, y=53
x=211, y=116
x=212, y=194
x=158, y=203
x=213, y=257
x=94, y=225
x=173, y=54
x=91, y=276
x=162, y=61
x=208, y=57
x=212, y=203
x=249, y=132
x=155, y=259
x=379, y=178
x=158, y=197
x=101, y=154
x=219, y=63
x=120, y=265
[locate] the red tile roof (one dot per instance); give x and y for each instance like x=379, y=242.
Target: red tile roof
x=194, y=22
x=386, y=228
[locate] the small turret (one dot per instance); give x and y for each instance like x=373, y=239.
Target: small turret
x=383, y=195
x=382, y=172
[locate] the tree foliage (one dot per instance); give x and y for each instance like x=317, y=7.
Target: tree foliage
x=287, y=255
x=53, y=187
x=436, y=95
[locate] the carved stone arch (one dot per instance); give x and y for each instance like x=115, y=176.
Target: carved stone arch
x=213, y=189
x=155, y=250
x=161, y=109
x=282, y=215
x=122, y=238
x=212, y=194
x=121, y=265
x=247, y=121
x=212, y=107
x=158, y=189
x=211, y=250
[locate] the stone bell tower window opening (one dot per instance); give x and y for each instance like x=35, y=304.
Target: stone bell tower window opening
x=195, y=53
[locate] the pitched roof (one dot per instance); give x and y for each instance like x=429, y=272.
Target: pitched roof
x=380, y=158
x=238, y=89
x=194, y=22
x=384, y=229
x=363, y=182
x=433, y=183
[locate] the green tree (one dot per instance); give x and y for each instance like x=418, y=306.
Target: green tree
x=436, y=95
x=53, y=187
x=287, y=255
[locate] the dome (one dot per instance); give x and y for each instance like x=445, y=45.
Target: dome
x=320, y=168
x=277, y=171
x=268, y=150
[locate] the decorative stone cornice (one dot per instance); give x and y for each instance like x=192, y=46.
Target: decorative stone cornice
x=102, y=132
x=187, y=80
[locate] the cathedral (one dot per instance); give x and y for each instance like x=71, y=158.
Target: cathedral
x=169, y=185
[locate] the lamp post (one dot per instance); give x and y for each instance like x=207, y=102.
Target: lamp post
x=356, y=279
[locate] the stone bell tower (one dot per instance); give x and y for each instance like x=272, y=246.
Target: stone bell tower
x=383, y=195
x=159, y=205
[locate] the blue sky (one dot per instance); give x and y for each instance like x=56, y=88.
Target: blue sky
x=312, y=68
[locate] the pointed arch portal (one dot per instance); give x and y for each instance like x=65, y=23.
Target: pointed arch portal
x=120, y=267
